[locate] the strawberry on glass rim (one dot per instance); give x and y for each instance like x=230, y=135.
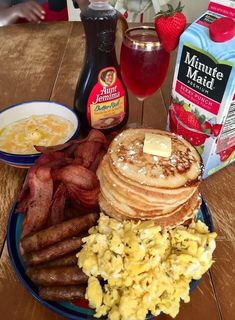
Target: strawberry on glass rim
x=169, y=25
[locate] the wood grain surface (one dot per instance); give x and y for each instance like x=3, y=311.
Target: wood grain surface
x=44, y=62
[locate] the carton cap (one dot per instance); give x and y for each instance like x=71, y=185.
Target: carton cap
x=222, y=29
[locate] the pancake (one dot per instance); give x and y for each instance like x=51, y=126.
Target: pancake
x=125, y=196
x=140, y=186
x=167, y=221
x=126, y=208
x=126, y=154
x=145, y=194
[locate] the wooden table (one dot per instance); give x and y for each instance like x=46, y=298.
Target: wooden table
x=43, y=62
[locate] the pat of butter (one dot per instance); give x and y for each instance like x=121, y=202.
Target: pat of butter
x=157, y=145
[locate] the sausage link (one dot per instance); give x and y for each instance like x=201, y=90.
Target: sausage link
x=57, y=276
x=55, y=251
x=58, y=232
x=62, y=293
x=67, y=260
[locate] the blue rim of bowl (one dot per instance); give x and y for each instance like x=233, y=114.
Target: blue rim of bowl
x=33, y=155
x=77, y=313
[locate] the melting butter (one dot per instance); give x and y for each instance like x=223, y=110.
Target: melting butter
x=157, y=145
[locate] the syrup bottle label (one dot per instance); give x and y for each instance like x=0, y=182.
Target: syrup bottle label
x=106, y=106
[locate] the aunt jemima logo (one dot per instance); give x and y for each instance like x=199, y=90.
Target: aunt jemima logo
x=202, y=72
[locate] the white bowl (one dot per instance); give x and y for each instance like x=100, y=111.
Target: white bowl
x=27, y=109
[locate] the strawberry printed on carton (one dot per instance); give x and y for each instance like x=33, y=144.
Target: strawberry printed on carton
x=207, y=126
x=227, y=154
x=216, y=129
x=188, y=122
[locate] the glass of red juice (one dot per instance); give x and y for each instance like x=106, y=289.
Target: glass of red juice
x=144, y=62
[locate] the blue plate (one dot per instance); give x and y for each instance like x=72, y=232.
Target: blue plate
x=64, y=309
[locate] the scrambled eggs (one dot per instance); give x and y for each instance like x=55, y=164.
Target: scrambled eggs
x=135, y=267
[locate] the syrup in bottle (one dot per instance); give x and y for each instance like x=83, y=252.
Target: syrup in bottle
x=101, y=100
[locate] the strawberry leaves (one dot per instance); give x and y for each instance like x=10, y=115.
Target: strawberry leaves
x=200, y=149
x=170, y=10
x=201, y=117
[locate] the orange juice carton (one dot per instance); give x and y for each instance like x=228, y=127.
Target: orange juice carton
x=203, y=96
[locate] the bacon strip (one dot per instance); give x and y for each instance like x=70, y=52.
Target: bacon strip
x=37, y=207
x=87, y=198
x=74, y=209
x=98, y=136
x=87, y=152
x=90, y=152
x=25, y=196
x=94, y=135
x=53, y=160
x=94, y=165
x=56, y=214
x=59, y=147
x=61, y=173
x=24, y=200
x=78, y=175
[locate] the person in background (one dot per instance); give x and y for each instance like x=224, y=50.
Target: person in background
x=12, y=11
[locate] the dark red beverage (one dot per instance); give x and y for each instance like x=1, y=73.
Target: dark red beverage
x=144, y=63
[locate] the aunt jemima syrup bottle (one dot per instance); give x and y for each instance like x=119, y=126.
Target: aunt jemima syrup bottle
x=101, y=97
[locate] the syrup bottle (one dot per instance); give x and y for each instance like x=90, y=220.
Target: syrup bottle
x=101, y=100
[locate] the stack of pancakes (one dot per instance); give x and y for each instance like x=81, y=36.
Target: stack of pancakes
x=142, y=186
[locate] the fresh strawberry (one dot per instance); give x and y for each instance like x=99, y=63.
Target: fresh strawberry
x=186, y=124
x=169, y=26
x=216, y=128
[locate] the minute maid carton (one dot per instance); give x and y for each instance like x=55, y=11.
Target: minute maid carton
x=203, y=96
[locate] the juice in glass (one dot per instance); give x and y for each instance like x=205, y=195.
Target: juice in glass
x=143, y=70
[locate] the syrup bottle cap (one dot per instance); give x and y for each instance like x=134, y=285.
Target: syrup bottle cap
x=100, y=5
x=222, y=29
x=98, y=1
